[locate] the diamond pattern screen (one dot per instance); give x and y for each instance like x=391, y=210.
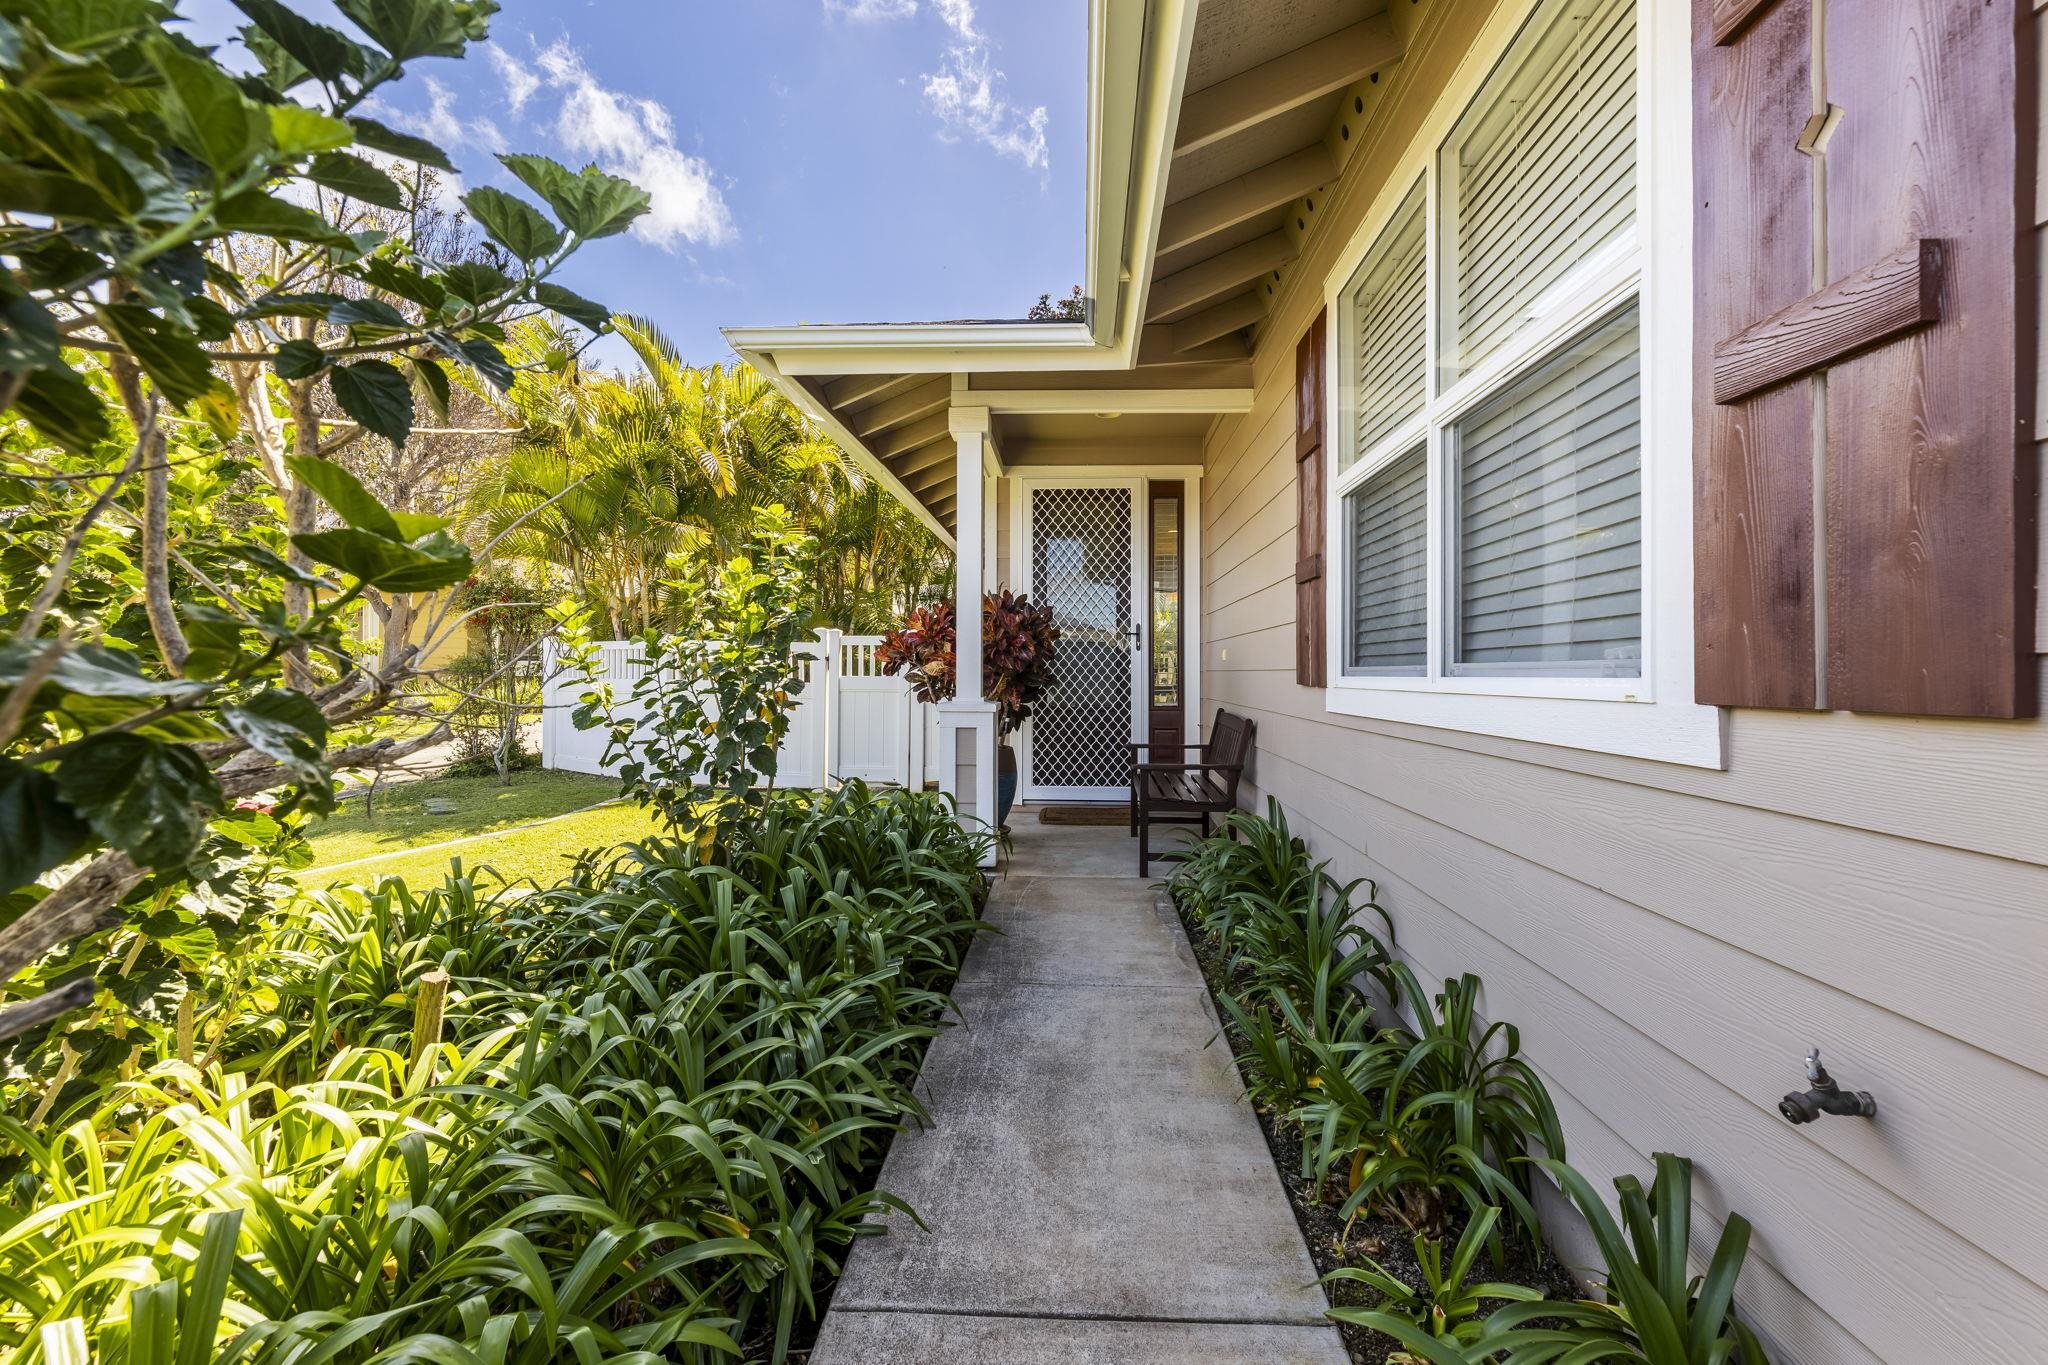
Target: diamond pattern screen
x=1081, y=568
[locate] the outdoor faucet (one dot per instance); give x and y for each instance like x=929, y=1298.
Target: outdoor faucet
x=1824, y=1096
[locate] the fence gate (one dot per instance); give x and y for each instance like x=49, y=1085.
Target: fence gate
x=851, y=719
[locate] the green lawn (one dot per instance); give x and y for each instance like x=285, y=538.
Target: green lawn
x=398, y=839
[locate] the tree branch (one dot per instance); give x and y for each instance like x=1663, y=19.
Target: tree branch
x=60, y=567
x=79, y=906
x=15, y=709
x=156, y=516
x=34, y=1013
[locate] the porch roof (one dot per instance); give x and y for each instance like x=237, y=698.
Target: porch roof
x=1214, y=128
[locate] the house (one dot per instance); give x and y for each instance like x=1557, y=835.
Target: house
x=1592, y=439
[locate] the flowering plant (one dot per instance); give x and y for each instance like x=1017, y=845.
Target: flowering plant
x=1018, y=644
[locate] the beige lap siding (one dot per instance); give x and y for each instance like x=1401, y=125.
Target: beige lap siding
x=1671, y=939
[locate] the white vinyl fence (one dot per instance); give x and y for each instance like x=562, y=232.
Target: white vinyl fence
x=851, y=719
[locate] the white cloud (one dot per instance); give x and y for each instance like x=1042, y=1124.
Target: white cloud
x=441, y=125
x=519, y=80
x=966, y=95
x=959, y=16
x=635, y=138
x=871, y=11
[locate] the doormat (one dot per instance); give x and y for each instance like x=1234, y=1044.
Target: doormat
x=1084, y=815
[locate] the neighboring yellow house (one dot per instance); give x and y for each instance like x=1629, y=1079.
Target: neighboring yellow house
x=449, y=646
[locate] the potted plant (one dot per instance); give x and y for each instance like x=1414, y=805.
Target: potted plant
x=1018, y=645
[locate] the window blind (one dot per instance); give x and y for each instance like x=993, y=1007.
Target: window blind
x=1388, y=516
x=1539, y=173
x=1549, y=536
x=1389, y=329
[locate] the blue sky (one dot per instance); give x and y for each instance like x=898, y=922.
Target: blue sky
x=811, y=160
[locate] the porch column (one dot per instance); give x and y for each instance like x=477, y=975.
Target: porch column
x=967, y=724
x=970, y=431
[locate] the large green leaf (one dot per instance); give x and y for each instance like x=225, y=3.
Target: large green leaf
x=435, y=561
x=434, y=380
x=38, y=831
x=410, y=28
x=168, y=354
x=256, y=212
x=45, y=140
x=151, y=995
x=373, y=315
x=28, y=334
x=512, y=223
x=475, y=282
x=299, y=359
x=383, y=138
x=208, y=113
x=62, y=406
x=356, y=178
x=147, y=798
x=93, y=671
x=375, y=394
x=573, y=306
x=480, y=355
x=394, y=277
x=283, y=725
x=292, y=305
x=298, y=131
x=345, y=493
x=81, y=25
x=590, y=202
x=56, y=194
x=325, y=53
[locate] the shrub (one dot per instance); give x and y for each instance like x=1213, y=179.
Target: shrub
x=642, y=1128
x=1445, y=1306
x=1415, y=1121
x=1019, y=643
x=1654, y=1309
x=1421, y=1117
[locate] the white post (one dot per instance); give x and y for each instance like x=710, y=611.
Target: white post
x=828, y=733
x=970, y=429
x=967, y=724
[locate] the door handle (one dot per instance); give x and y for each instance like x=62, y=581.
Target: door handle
x=1136, y=636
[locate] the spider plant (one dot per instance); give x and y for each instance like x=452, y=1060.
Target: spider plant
x=1654, y=1311
x=1447, y=1305
x=1278, y=1073
x=1419, y=1117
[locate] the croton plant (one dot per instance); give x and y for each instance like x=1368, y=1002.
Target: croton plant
x=1018, y=644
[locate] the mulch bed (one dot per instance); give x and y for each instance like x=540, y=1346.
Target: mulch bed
x=1369, y=1236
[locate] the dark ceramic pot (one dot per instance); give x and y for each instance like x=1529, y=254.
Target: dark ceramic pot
x=1006, y=781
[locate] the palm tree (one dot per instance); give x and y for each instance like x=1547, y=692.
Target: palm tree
x=618, y=479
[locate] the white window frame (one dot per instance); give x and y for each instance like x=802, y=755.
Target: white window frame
x=1651, y=716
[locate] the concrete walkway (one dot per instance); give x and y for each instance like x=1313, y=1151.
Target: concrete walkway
x=1095, y=1188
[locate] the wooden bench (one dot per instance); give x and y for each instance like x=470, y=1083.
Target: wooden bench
x=1183, y=792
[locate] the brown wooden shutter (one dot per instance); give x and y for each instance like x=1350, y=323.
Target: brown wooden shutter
x=1311, y=657
x=1863, y=296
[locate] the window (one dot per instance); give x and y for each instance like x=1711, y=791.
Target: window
x=1489, y=452
x=1549, y=515
x=1388, y=520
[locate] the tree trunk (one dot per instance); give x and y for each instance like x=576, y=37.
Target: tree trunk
x=301, y=513
x=156, y=514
